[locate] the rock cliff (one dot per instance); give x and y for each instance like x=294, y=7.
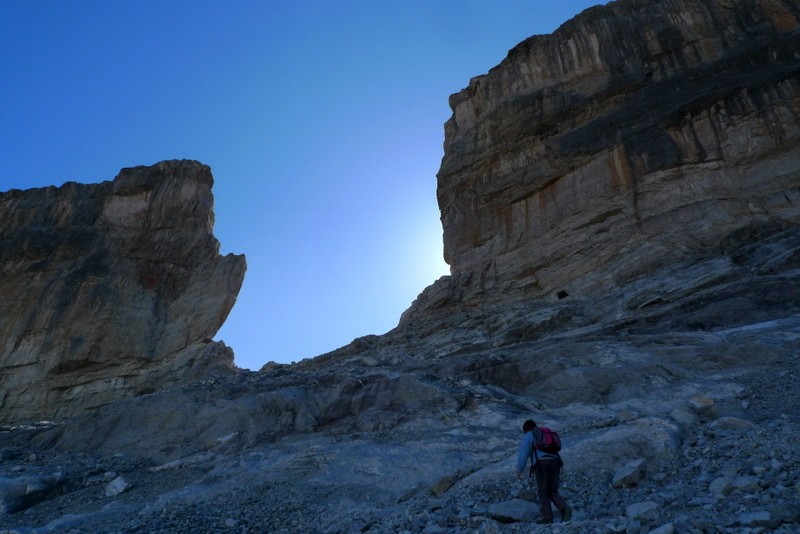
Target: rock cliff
x=619, y=202
x=637, y=135
x=110, y=290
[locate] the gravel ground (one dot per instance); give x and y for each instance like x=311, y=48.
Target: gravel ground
x=731, y=476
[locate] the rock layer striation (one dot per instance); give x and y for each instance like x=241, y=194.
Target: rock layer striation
x=637, y=135
x=110, y=290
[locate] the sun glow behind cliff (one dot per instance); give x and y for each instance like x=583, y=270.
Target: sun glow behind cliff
x=322, y=123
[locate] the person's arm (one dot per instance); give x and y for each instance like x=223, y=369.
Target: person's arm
x=524, y=453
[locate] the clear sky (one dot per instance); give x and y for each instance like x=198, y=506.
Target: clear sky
x=322, y=121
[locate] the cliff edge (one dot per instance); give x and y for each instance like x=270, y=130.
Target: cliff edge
x=110, y=290
x=638, y=135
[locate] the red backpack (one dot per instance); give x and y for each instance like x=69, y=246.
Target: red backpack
x=548, y=441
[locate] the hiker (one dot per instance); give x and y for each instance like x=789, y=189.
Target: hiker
x=547, y=466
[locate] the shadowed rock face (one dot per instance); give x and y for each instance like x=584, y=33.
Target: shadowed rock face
x=637, y=135
x=110, y=290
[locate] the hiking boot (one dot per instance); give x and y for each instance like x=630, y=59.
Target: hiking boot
x=566, y=515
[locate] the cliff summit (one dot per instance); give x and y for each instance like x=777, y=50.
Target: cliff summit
x=638, y=134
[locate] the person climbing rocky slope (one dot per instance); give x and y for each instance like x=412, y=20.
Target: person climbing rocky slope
x=620, y=211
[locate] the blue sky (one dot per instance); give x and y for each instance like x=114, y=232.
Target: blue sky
x=322, y=122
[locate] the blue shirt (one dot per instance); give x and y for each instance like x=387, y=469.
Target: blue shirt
x=525, y=451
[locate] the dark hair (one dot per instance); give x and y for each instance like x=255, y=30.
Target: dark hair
x=528, y=425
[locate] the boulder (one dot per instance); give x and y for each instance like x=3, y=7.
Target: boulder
x=576, y=168
x=22, y=492
x=652, y=440
x=642, y=511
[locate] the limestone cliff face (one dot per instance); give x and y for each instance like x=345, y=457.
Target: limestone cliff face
x=110, y=290
x=639, y=134
x=620, y=207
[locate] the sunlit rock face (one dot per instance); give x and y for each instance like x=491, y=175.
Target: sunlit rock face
x=110, y=290
x=638, y=135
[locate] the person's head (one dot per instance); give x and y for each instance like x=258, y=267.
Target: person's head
x=528, y=425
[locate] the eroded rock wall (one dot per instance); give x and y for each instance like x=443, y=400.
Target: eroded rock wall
x=675, y=350
x=110, y=290
x=638, y=135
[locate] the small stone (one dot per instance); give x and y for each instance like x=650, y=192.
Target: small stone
x=642, y=510
x=720, y=486
x=734, y=424
x=730, y=471
x=669, y=528
x=231, y=522
x=443, y=484
x=747, y=484
x=117, y=486
x=758, y=519
x=630, y=474
x=683, y=416
x=615, y=529
x=513, y=511
x=703, y=407
x=759, y=469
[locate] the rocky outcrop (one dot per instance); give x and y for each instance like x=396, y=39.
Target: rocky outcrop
x=110, y=290
x=639, y=135
x=618, y=202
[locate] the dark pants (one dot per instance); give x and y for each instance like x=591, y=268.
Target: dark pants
x=548, y=471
